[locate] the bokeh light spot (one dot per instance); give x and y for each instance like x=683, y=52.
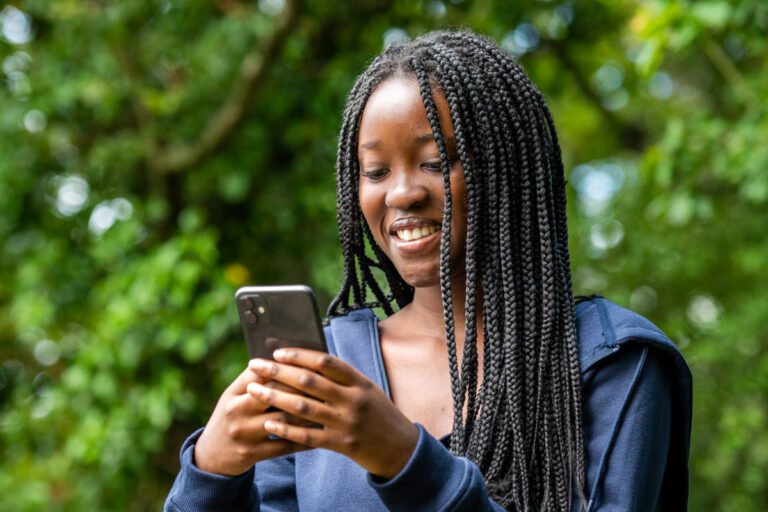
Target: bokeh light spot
x=643, y=299
x=15, y=25
x=606, y=234
x=609, y=77
x=436, y=9
x=47, y=352
x=35, y=121
x=236, y=274
x=18, y=61
x=703, y=311
x=271, y=7
x=615, y=100
x=395, y=35
x=106, y=213
x=525, y=38
x=102, y=218
x=661, y=86
x=72, y=195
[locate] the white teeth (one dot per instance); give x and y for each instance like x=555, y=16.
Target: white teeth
x=415, y=233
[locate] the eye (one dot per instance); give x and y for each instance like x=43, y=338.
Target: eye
x=435, y=165
x=374, y=174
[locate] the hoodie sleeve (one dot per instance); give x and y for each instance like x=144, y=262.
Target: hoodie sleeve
x=627, y=421
x=434, y=479
x=267, y=486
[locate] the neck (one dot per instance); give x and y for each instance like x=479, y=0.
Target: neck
x=427, y=308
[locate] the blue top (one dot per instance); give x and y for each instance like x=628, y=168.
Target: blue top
x=637, y=420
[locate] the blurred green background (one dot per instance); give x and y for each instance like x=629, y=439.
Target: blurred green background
x=157, y=154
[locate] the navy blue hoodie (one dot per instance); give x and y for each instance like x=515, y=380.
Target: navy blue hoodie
x=637, y=420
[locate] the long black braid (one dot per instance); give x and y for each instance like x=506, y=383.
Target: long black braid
x=522, y=427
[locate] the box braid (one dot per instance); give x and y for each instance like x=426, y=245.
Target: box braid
x=522, y=427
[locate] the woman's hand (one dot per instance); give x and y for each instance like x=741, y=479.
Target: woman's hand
x=234, y=438
x=359, y=420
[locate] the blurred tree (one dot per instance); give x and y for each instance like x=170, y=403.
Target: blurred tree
x=156, y=154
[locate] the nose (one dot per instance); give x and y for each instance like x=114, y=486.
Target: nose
x=406, y=191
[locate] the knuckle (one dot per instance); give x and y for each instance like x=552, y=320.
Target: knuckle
x=307, y=380
x=307, y=439
x=350, y=443
x=235, y=431
x=230, y=410
x=357, y=403
x=301, y=406
x=243, y=453
x=358, y=410
x=324, y=361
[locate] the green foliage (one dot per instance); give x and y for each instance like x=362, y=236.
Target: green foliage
x=117, y=325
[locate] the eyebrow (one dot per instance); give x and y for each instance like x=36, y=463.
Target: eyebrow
x=372, y=144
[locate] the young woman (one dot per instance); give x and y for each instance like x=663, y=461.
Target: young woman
x=485, y=387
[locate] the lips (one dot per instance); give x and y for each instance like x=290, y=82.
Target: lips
x=413, y=233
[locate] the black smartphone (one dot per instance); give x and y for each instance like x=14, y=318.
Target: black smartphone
x=279, y=316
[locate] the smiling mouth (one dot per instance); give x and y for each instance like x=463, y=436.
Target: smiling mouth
x=409, y=235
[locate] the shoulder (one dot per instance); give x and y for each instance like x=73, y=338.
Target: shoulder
x=636, y=410
x=603, y=328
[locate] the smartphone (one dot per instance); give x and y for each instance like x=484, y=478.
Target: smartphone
x=279, y=316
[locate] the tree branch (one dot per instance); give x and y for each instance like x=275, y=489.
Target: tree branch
x=253, y=69
x=727, y=69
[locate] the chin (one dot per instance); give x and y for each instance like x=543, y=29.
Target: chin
x=421, y=278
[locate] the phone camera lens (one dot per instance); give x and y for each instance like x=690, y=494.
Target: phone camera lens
x=246, y=303
x=250, y=317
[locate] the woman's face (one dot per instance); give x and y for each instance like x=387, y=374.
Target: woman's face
x=401, y=182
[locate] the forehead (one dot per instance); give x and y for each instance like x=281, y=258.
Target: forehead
x=395, y=108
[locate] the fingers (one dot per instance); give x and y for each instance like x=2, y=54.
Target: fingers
x=251, y=430
x=240, y=406
x=293, y=378
x=324, y=364
x=274, y=384
x=305, y=407
x=309, y=437
x=240, y=384
x=244, y=404
x=235, y=438
x=269, y=449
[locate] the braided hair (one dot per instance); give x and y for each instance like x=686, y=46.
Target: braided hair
x=523, y=425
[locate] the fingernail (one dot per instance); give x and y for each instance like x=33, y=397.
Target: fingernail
x=258, y=365
x=279, y=353
x=269, y=425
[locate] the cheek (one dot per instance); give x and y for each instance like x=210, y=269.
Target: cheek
x=372, y=207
